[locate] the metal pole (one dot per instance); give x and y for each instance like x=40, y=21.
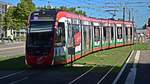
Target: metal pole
x=133, y=27
x=123, y=13
x=129, y=15
x=81, y=38
x=123, y=36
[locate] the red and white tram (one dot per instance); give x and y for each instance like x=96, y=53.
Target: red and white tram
x=59, y=37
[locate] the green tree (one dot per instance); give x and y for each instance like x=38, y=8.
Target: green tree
x=1, y=19
x=44, y=8
x=8, y=20
x=22, y=12
x=71, y=9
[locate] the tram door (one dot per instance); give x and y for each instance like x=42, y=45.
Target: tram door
x=131, y=33
x=106, y=37
x=97, y=36
x=112, y=36
x=128, y=36
x=60, y=40
x=127, y=29
x=86, y=39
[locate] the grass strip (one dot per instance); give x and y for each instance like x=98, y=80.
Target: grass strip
x=111, y=56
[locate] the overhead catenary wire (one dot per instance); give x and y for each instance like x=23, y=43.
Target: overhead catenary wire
x=90, y=5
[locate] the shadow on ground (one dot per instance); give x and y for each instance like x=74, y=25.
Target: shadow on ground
x=17, y=63
x=63, y=72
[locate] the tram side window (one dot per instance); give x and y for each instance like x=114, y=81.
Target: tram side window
x=131, y=32
x=126, y=29
x=60, y=35
x=119, y=32
x=69, y=31
x=112, y=33
x=96, y=33
x=88, y=36
x=76, y=34
x=73, y=35
x=75, y=29
x=104, y=33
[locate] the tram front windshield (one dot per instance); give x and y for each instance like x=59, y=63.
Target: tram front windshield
x=41, y=26
x=40, y=34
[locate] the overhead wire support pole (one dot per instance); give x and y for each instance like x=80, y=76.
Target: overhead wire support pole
x=129, y=15
x=123, y=29
x=123, y=13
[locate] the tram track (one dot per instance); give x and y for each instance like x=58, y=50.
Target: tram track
x=9, y=75
x=94, y=74
x=91, y=76
x=97, y=76
x=16, y=77
x=27, y=76
x=71, y=82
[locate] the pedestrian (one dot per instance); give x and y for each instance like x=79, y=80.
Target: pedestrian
x=10, y=38
x=142, y=37
x=138, y=37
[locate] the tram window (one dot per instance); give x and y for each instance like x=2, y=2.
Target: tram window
x=88, y=36
x=131, y=31
x=112, y=33
x=73, y=32
x=40, y=39
x=96, y=33
x=41, y=25
x=126, y=31
x=70, y=35
x=119, y=32
x=75, y=29
x=104, y=33
x=69, y=31
x=60, y=35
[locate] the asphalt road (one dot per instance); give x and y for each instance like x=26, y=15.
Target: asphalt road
x=12, y=49
x=70, y=75
x=124, y=75
x=53, y=75
x=142, y=74
x=143, y=69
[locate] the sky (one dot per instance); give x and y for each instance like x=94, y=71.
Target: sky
x=99, y=8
